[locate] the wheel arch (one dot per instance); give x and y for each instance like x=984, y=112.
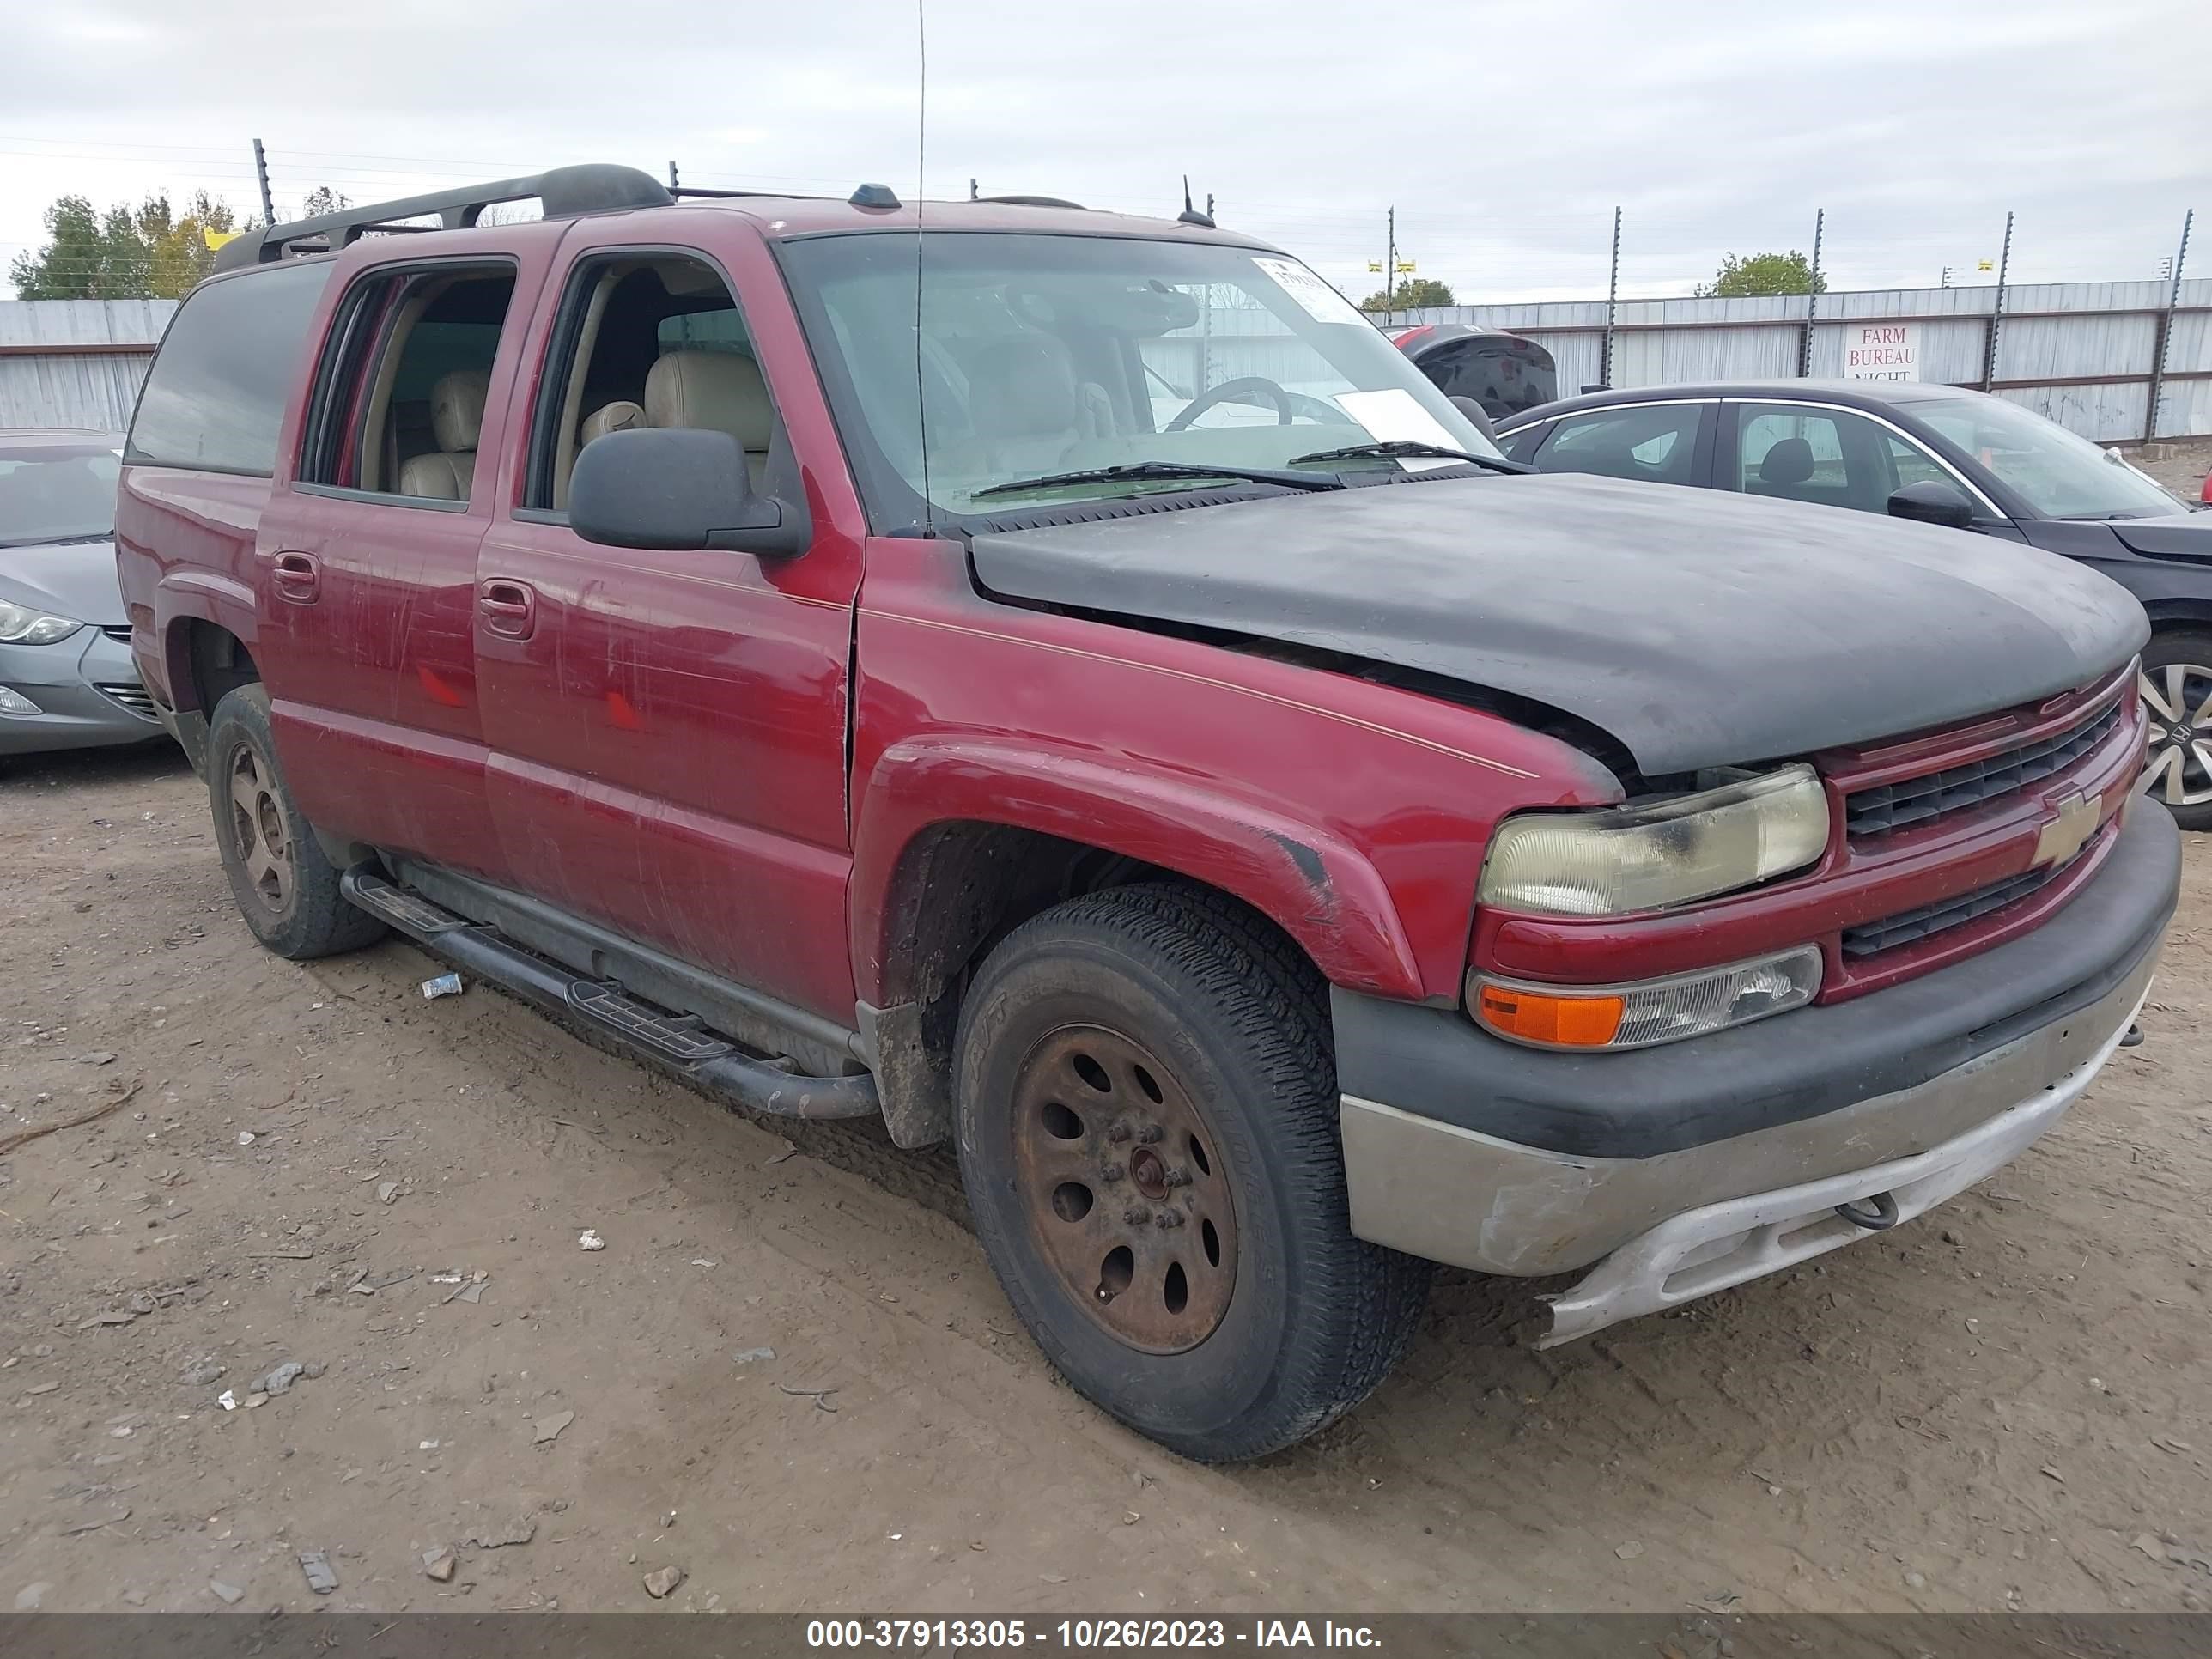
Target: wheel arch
x=960, y=842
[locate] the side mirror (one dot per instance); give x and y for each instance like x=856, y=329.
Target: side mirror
x=676, y=489
x=1930, y=502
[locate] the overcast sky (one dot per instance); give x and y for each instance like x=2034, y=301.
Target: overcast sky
x=1504, y=133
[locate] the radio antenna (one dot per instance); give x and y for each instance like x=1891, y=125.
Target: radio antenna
x=920, y=182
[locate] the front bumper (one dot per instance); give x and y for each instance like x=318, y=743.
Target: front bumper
x=84, y=687
x=1716, y=1161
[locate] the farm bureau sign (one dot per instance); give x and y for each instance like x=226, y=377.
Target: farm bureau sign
x=1882, y=351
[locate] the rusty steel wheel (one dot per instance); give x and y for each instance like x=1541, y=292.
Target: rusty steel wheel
x=259, y=835
x=1126, y=1188
x=1146, y=1106
x=285, y=887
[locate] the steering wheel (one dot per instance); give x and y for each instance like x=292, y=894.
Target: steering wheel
x=1238, y=391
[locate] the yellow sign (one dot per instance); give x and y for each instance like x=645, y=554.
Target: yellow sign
x=1406, y=267
x=1985, y=264
x=215, y=239
x=1375, y=265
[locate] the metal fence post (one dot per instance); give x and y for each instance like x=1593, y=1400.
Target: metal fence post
x=1996, y=310
x=1612, y=305
x=2165, y=333
x=1812, y=298
x=261, y=172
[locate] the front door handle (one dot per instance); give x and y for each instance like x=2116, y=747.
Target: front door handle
x=297, y=578
x=509, y=607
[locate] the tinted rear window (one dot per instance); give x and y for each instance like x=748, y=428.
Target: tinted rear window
x=215, y=394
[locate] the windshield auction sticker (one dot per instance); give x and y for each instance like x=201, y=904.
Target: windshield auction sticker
x=1315, y=297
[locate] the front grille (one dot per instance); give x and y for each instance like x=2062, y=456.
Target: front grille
x=1907, y=926
x=131, y=695
x=121, y=635
x=1915, y=801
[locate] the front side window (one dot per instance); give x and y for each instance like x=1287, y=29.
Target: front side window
x=649, y=339
x=399, y=402
x=57, y=494
x=1652, y=443
x=215, y=397
x=1825, y=457
x=1043, y=354
x=2059, y=475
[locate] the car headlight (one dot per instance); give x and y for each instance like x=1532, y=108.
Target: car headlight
x=1650, y=858
x=20, y=625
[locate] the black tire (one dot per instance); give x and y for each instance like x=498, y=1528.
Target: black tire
x=2175, y=766
x=1314, y=1318
x=284, y=887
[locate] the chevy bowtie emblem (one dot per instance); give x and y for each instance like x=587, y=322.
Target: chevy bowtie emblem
x=2061, y=838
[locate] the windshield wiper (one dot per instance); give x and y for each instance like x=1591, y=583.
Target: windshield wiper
x=1412, y=448
x=1139, y=471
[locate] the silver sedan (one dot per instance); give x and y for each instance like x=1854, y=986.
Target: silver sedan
x=67, y=680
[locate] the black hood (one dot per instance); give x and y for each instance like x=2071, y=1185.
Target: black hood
x=2184, y=536
x=1697, y=628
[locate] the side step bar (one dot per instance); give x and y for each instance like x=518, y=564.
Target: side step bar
x=680, y=1041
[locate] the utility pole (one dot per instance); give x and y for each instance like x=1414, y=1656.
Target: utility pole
x=1612, y=305
x=2166, y=328
x=671, y=177
x=1390, y=269
x=261, y=171
x=1812, y=297
x=1996, y=309
x=973, y=195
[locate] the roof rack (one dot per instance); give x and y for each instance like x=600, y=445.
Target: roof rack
x=563, y=193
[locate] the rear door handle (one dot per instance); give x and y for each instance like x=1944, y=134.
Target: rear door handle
x=509, y=607
x=297, y=578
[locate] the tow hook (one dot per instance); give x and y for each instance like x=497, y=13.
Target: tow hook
x=1879, y=1218
x=2133, y=1038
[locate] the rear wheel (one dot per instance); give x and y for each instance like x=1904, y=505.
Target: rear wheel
x=285, y=888
x=1147, y=1118
x=2176, y=694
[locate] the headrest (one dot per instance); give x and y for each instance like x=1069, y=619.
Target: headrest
x=1789, y=462
x=617, y=416
x=1022, y=388
x=457, y=407
x=719, y=390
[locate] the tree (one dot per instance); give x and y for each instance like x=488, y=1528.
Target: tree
x=1764, y=273
x=320, y=200
x=1412, y=294
x=123, y=254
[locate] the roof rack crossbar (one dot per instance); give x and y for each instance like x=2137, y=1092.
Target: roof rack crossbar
x=563, y=193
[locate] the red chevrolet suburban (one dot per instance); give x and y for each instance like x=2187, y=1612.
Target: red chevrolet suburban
x=1278, y=841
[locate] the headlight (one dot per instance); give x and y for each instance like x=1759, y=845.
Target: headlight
x=21, y=626
x=1656, y=1011
x=1648, y=858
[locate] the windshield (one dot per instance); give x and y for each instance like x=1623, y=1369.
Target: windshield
x=1049, y=353
x=2059, y=475
x=57, y=496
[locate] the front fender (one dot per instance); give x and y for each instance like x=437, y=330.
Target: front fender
x=1311, y=882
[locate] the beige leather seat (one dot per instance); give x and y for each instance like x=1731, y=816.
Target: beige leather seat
x=621, y=415
x=457, y=407
x=719, y=390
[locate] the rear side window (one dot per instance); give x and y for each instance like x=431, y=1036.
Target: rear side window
x=215, y=397
x=1650, y=441
x=398, y=407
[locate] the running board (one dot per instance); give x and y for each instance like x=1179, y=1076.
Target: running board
x=682, y=1042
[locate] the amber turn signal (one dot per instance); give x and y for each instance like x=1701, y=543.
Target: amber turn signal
x=1565, y=1022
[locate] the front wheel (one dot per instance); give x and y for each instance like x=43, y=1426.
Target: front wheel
x=285, y=888
x=1147, y=1127
x=2176, y=694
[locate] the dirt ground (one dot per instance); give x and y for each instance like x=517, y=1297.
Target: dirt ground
x=2002, y=1406
x=2179, y=464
